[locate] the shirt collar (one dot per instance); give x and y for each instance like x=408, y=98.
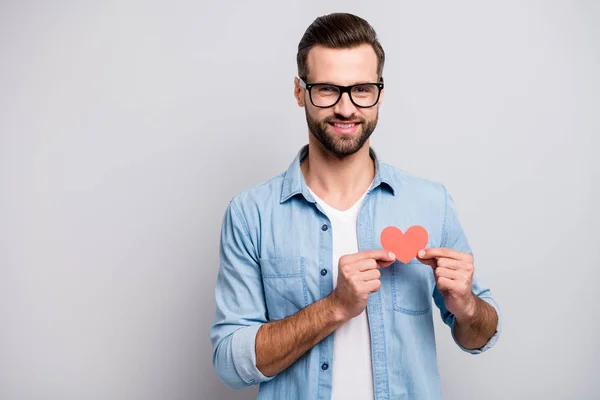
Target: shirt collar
x=294, y=183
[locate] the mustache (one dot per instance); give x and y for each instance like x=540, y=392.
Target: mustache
x=338, y=117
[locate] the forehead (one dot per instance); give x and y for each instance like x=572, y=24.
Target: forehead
x=342, y=66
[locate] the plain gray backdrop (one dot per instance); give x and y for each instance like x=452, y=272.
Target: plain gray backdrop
x=126, y=127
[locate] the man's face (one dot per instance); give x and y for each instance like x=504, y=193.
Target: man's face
x=344, y=128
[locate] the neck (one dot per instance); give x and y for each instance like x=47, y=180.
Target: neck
x=339, y=181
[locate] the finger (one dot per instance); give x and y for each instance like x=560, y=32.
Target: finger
x=432, y=262
x=447, y=273
x=364, y=265
x=446, y=263
x=456, y=286
x=381, y=255
x=373, y=286
x=441, y=252
x=383, y=264
x=444, y=284
x=368, y=264
x=370, y=275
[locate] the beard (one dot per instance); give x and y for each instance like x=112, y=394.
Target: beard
x=341, y=145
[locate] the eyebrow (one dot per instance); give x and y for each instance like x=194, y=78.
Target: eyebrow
x=332, y=83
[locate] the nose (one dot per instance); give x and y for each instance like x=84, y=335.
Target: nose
x=345, y=107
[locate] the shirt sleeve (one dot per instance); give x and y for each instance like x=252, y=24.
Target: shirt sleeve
x=240, y=305
x=454, y=237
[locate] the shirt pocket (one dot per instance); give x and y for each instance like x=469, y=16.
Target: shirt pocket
x=412, y=287
x=284, y=283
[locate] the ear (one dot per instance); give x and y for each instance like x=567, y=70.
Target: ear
x=382, y=95
x=298, y=92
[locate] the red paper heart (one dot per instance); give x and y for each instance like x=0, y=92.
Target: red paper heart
x=404, y=245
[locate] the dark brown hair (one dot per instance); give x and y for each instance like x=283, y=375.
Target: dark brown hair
x=338, y=31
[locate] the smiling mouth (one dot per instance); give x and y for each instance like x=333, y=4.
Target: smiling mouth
x=343, y=126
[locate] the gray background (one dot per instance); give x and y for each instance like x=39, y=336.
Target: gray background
x=126, y=127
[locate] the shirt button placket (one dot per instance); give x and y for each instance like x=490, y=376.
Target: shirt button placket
x=324, y=272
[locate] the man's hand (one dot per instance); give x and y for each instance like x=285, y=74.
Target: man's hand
x=453, y=271
x=358, y=276
x=281, y=343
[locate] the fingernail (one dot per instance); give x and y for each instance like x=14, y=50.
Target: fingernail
x=392, y=255
x=421, y=253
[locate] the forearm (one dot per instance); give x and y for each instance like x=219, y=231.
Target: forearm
x=474, y=331
x=280, y=343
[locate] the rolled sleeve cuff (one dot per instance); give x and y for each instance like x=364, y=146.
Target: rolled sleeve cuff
x=490, y=343
x=243, y=345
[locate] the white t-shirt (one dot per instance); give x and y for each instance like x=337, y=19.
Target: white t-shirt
x=352, y=374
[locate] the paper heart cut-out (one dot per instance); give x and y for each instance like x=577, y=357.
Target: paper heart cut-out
x=404, y=245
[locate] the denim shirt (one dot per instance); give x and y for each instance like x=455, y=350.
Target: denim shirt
x=276, y=258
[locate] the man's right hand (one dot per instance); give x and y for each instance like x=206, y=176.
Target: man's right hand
x=280, y=343
x=358, y=277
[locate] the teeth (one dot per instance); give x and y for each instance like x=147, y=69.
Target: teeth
x=344, y=126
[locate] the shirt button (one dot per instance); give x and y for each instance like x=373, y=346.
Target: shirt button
x=323, y=272
x=324, y=227
x=324, y=366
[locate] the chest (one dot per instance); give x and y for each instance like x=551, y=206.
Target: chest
x=300, y=246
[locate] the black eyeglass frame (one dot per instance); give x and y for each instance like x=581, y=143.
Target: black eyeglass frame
x=343, y=89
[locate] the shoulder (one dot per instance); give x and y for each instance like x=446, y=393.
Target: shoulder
x=258, y=196
x=409, y=183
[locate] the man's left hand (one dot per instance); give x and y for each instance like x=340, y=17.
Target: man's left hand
x=453, y=272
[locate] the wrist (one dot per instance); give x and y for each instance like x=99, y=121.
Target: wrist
x=470, y=311
x=336, y=309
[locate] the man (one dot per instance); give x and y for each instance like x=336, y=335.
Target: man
x=309, y=305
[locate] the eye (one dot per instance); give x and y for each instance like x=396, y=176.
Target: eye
x=364, y=89
x=326, y=89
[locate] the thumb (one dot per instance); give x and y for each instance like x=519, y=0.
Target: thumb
x=432, y=262
x=386, y=261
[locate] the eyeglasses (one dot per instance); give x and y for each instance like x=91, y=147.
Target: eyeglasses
x=325, y=95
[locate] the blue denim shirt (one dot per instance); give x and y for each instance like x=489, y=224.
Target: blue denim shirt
x=275, y=259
